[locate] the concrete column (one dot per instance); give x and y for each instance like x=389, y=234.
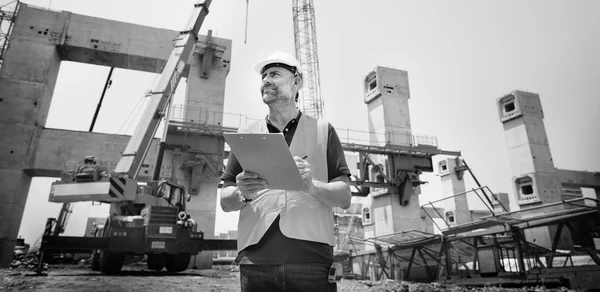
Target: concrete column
x=199, y=166
x=386, y=93
x=27, y=80
x=456, y=210
x=535, y=180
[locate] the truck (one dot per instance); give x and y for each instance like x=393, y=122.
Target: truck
x=147, y=216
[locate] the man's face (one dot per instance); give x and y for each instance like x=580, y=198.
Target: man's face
x=277, y=86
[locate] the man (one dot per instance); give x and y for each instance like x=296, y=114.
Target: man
x=285, y=238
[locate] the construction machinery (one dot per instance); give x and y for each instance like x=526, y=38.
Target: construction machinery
x=147, y=216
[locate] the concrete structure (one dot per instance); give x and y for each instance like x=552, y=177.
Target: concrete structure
x=386, y=94
x=40, y=41
x=535, y=180
x=456, y=209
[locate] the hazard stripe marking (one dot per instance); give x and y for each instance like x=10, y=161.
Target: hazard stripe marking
x=112, y=192
x=117, y=187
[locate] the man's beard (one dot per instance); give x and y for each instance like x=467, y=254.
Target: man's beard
x=272, y=93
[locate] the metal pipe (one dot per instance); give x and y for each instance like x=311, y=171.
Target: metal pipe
x=106, y=84
x=541, y=206
x=455, y=195
x=441, y=216
x=488, y=207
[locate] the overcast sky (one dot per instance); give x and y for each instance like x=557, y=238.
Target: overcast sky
x=460, y=57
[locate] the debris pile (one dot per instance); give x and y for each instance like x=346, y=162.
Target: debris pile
x=26, y=261
x=394, y=286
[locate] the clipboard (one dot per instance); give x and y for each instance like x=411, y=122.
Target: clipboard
x=268, y=155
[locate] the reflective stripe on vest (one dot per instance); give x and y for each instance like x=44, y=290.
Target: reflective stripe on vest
x=302, y=216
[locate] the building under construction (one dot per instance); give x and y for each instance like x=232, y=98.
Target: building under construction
x=551, y=238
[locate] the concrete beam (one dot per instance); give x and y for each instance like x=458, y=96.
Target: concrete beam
x=56, y=147
x=93, y=40
x=576, y=178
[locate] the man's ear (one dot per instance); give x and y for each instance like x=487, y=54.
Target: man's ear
x=298, y=81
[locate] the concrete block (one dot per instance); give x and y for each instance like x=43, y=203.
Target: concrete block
x=15, y=186
x=38, y=25
x=542, y=158
x=213, y=87
x=384, y=81
x=376, y=114
x=386, y=93
x=384, y=220
x=574, y=178
x=535, y=130
x=523, y=131
x=521, y=159
x=538, y=187
x=20, y=100
x=519, y=103
x=10, y=219
x=29, y=61
x=19, y=142
x=57, y=147
x=119, y=37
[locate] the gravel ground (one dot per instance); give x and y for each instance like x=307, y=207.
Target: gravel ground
x=220, y=278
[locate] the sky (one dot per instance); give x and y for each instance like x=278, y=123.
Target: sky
x=460, y=57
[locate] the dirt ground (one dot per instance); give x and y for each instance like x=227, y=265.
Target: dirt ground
x=220, y=278
x=73, y=278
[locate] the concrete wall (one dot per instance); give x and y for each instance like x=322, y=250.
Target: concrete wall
x=534, y=179
x=40, y=40
x=456, y=210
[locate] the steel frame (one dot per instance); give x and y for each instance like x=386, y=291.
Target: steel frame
x=508, y=258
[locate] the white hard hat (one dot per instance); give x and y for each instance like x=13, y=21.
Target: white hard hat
x=284, y=60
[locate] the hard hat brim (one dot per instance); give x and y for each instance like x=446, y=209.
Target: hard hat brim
x=258, y=68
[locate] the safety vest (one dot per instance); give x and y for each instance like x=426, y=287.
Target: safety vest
x=301, y=215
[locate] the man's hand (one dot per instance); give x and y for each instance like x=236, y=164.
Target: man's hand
x=249, y=184
x=305, y=172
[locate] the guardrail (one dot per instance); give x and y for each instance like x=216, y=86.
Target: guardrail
x=204, y=116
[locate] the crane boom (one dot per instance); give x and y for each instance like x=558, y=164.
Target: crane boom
x=161, y=94
x=305, y=39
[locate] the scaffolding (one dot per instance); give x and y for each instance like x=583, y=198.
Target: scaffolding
x=8, y=15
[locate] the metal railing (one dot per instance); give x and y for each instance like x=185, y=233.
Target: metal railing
x=385, y=138
x=481, y=193
x=204, y=116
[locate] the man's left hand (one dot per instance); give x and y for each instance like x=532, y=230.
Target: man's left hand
x=305, y=171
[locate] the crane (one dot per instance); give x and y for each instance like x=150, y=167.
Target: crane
x=305, y=39
x=146, y=218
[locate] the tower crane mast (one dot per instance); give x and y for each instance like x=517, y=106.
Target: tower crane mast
x=305, y=39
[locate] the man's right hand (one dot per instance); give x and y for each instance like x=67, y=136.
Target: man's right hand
x=250, y=184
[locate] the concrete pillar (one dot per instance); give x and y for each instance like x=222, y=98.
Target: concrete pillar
x=386, y=94
x=27, y=80
x=199, y=166
x=456, y=210
x=534, y=176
